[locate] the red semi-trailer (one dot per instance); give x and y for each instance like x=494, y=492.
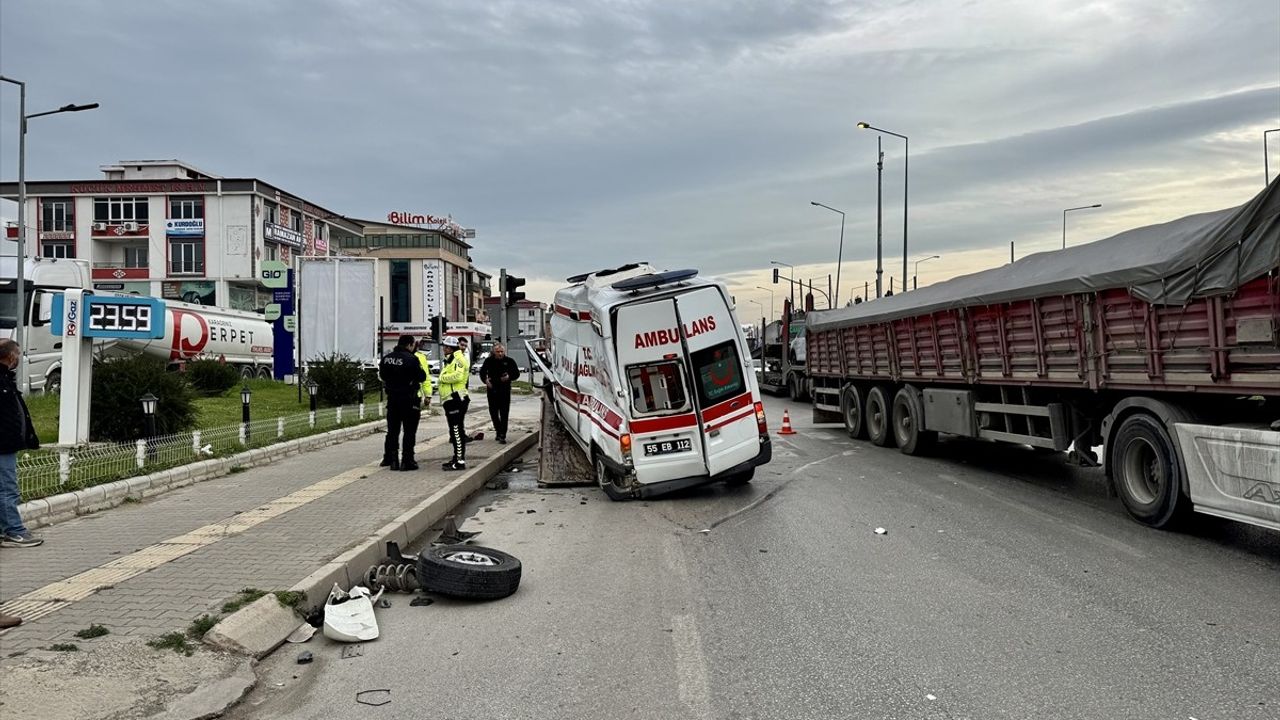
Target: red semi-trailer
x=1161, y=344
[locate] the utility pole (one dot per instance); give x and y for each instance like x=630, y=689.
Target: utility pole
x=879, y=217
x=501, y=335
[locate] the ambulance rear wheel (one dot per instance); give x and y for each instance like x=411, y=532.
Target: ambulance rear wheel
x=879, y=417
x=606, y=480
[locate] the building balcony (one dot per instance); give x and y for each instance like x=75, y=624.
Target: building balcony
x=119, y=271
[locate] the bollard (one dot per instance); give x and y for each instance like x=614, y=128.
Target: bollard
x=337, y=416
x=311, y=419
x=280, y=427
x=361, y=412
x=244, y=433
x=64, y=466
x=142, y=453
x=195, y=443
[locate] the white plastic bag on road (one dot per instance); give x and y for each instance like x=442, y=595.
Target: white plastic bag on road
x=348, y=617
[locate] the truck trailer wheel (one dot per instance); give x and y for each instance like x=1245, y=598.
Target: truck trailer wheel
x=853, y=409
x=53, y=383
x=1147, y=472
x=878, y=417
x=605, y=479
x=247, y=372
x=264, y=372
x=908, y=423
x=468, y=571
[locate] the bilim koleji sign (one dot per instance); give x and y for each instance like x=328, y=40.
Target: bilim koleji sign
x=432, y=287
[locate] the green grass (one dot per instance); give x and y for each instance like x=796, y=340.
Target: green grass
x=64, y=647
x=201, y=625
x=291, y=598
x=174, y=641
x=270, y=400
x=92, y=631
x=245, y=597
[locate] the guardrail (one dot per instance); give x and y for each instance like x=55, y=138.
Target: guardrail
x=50, y=471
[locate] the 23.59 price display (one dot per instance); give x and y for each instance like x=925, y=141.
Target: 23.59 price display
x=110, y=317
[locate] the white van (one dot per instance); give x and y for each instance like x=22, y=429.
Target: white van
x=651, y=375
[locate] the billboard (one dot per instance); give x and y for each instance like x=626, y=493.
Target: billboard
x=338, y=303
x=432, y=288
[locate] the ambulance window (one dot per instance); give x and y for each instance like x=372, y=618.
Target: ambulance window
x=719, y=373
x=657, y=387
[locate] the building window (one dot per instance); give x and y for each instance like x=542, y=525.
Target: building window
x=295, y=220
x=186, y=207
x=400, y=306
x=58, y=248
x=57, y=215
x=135, y=256
x=120, y=209
x=271, y=213
x=186, y=256
x=270, y=251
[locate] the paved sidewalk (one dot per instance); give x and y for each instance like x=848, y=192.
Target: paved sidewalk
x=266, y=528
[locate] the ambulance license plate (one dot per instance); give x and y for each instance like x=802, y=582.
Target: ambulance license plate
x=667, y=446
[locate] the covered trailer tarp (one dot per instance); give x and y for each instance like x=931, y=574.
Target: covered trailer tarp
x=1168, y=264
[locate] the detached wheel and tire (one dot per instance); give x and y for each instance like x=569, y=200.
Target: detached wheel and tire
x=853, y=409
x=605, y=479
x=1147, y=473
x=879, y=417
x=908, y=423
x=468, y=571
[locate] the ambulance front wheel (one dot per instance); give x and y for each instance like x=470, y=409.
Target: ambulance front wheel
x=606, y=480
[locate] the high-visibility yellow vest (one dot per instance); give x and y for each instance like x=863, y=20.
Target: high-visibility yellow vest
x=454, y=375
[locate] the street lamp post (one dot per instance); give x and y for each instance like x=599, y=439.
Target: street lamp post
x=840, y=252
x=1266, y=167
x=20, y=313
x=770, y=300
x=149, y=403
x=790, y=279
x=360, y=395
x=1064, y=220
x=312, y=388
x=906, y=158
x=915, y=278
x=245, y=395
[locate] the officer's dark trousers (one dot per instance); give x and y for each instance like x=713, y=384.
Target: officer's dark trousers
x=455, y=412
x=500, y=408
x=402, y=419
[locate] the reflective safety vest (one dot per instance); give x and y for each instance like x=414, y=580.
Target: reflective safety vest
x=426, y=369
x=454, y=375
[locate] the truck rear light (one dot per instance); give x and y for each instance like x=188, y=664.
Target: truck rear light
x=625, y=440
x=761, y=424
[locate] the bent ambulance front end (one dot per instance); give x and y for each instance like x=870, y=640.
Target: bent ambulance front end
x=695, y=412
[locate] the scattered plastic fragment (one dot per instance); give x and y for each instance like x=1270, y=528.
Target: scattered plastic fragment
x=303, y=633
x=932, y=697
x=881, y=531
x=704, y=532
x=348, y=616
x=352, y=651
x=421, y=601
x=375, y=698
x=305, y=657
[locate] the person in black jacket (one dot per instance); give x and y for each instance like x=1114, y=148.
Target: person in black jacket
x=16, y=434
x=497, y=373
x=402, y=378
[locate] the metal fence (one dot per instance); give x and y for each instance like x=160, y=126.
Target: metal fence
x=51, y=471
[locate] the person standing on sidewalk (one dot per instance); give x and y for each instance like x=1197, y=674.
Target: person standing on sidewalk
x=455, y=401
x=16, y=434
x=402, y=376
x=497, y=373
x=424, y=359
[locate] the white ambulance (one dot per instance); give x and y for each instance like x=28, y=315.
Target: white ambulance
x=652, y=377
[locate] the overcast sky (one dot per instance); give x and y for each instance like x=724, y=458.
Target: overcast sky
x=576, y=136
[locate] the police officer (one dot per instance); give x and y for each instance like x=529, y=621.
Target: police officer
x=403, y=377
x=455, y=401
x=424, y=359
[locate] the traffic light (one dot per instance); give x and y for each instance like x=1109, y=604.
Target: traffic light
x=510, y=295
x=438, y=327
x=775, y=276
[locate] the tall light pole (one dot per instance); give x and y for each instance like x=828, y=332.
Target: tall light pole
x=906, y=157
x=770, y=300
x=1266, y=167
x=840, y=252
x=791, y=280
x=20, y=313
x=916, y=276
x=1064, y=220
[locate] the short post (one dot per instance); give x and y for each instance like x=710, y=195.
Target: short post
x=337, y=416
x=149, y=403
x=195, y=442
x=360, y=396
x=64, y=466
x=141, y=456
x=279, y=427
x=245, y=395
x=312, y=388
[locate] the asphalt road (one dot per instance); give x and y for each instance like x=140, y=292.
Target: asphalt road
x=1008, y=585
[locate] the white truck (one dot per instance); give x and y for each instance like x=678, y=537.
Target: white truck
x=652, y=379
x=242, y=339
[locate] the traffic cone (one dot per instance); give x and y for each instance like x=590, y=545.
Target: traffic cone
x=786, y=424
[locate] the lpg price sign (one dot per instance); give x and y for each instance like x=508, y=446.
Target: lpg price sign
x=106, y=316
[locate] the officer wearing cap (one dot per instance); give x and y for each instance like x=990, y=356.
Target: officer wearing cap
x=402, y=377
x=454, y=399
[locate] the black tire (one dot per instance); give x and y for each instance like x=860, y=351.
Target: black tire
x=879, y=417
x=247, y=372
x=468, y=571
x=53, y=383
x=1147, y=473
x=605, y=479
x=908, y=421
x=853, y=410
x=264, y=372
x=740, y=479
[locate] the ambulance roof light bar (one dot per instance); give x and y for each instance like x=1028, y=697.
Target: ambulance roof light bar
x=653, y=280
x=605, y=272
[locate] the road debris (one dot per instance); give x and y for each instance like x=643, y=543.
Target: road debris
x=384, y=603
x=932, y=697
x=348, y=616
x=352, y=651
x=305, y=657
x=421, y=601
x=452, y=535
x=303, y=633
x=376, y=698
x=881, y=531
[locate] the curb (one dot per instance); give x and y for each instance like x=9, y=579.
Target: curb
x=65, y=506
x=257, y=633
